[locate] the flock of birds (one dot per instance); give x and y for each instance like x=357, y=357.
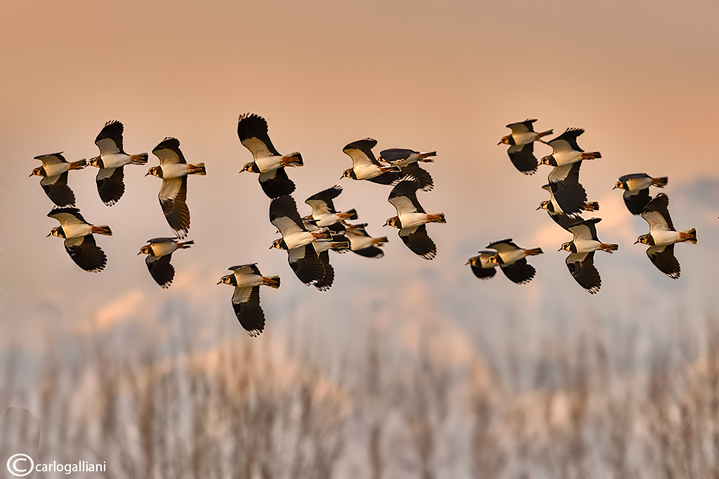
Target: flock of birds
x=309, y=239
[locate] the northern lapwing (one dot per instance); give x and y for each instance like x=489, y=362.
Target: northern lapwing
x=79, y=240
x=408, y=162
x=566, y=151
x=159, y=253
x=557, y=213
x=521, y=145
x=173, y=170
x=482, y=266
x=247, y=280
x=366, y=167
x=284, y=215
x=512, y=260
x=112, y=159
x=324, y=213
x=411, y=219
x=636, y=190
x=362, y=243
x=662, y=236
x=581, y=253
x=566, y=189
x=267, y=161
x=54, y=177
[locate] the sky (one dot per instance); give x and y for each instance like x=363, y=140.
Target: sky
x=640, y=78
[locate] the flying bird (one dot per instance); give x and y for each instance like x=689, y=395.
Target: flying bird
x=566, y=150
x=581, y=253
x=366, y=167
x=636, y=190
x=362, y=243
x=159, y=253
x=408, y=162
x=267, y=161
x=247, y=280
x=521, y=145
x=411, y=219
x=173, y=170
x=567, y=191
x=79, y=240
x=512, y=260
x=662, y=236
x=112, y=159
x=54, y=177
x=324, y=213
x=557, y=213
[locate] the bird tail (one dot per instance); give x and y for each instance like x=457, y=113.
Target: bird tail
x=608, y=247
x=689, y=235
x=425, y=157
x=140, y=159
x=660, y=182
x=271, y=281
x=349, y=215
x=591, y=206
x=322, y=234
x=198, y=169
x=78, y=165
x=533, y=251
x=438, y=218
x=380, y=241
x=542, y=134
x=184, y=244
x=101, y=230
x=591, y=155
x=293, y=159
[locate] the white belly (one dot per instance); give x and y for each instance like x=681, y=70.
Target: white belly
x=509, y=257
x=412, y=220
x=567, y=157
x=268, y=163
x=665, y=237
x=163, y=249
x=328, y=220
x=115, y=160
x=635, y=184
x=56, y=169
x=367, y=172
x=246, y=280
x=76, y=230
x=298, y=239
x=359, y=242
x=587, y=246
x=174, y=170
x=524, y=138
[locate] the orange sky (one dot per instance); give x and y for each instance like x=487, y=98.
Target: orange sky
x=639, y=77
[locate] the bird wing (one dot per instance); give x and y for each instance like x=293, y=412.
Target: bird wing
x=51, y=159
x=568, y=192
x=404, y=197
x=636, y=201
x=483, y=273
x=306, y=264
x=424, y=179
x=56, y=189
x=252, y=131
x=276, y=183
x=109, y=140
x=504, y=246
x=160, y=269
x=519, y=272
x=418, y=241
x=581, y=267
x=361, y=152
x=110, y=184
x=321, y=202
x=657, y=214
x=663, y=258
x=567, y=141
x=392, y=155
x=329, y=273
x=172, y=196
x=168, y=151
x=563, y=220
x=522, y=126
x=245, y=269
x=585, y=230
x=523, y=158
x=86, y=254
x=246, y=303
x=67, y=216
x=284, y=215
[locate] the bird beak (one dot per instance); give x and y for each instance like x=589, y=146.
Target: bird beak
x=500, y=142
x=615, y=187
x=560, y=249
x=538, y=207
x=466, y=263
x=49, y=234
x=219, y=282
x=32, y=174
x=637, y=241
x=271, y=246
x=147, y=174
